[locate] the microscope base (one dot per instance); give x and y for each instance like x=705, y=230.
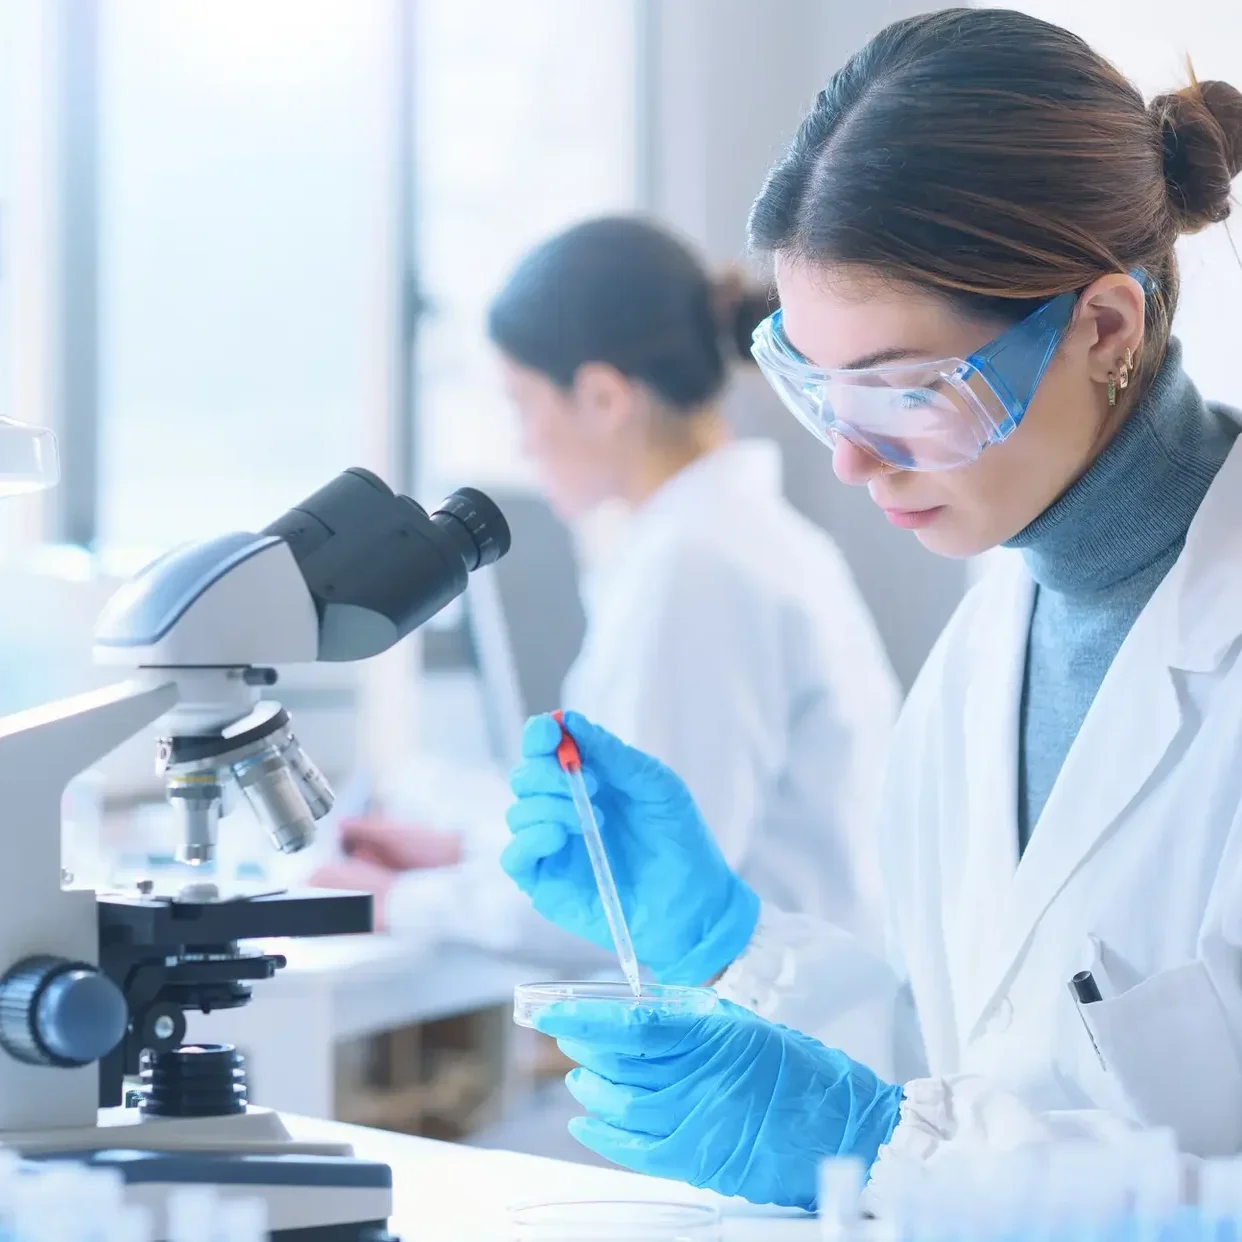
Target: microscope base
x=314, y=1192
x=256, y=1131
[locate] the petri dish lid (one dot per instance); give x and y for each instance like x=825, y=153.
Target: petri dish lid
x=29, y=461
x=601, y=1220
x=530, y=998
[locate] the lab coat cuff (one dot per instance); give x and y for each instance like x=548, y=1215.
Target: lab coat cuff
x=971, y=1112
x=757, y=977
x=924, y=1124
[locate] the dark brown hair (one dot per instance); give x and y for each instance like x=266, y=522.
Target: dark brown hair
x=623, y=291
x=997, y=160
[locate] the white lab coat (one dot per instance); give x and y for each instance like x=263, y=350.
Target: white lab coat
x=726, y=637
x=1134, y=872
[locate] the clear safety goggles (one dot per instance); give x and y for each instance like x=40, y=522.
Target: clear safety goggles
x=921, y=415
x=29, y=461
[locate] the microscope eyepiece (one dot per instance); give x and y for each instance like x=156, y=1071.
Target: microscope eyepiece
x=476, y=525
x=378, y=565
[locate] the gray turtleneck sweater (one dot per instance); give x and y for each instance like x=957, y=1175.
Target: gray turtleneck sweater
x=1097, y=556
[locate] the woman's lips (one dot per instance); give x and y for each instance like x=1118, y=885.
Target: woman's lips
x=912, y=519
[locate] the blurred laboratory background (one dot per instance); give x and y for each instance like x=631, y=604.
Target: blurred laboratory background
x=245, y=244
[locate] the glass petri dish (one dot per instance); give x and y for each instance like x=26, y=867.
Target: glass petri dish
x=602, y=1220
x=530, y=998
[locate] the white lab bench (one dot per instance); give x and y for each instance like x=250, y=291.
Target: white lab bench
x=443, y=1190
x=340, y=988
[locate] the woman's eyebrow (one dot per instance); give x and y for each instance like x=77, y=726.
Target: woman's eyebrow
x=878, y=358
x=883, y=356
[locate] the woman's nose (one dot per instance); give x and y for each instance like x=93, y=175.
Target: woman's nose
x=853, y=465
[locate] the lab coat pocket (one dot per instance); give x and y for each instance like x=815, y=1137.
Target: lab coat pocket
x=1167, y=1044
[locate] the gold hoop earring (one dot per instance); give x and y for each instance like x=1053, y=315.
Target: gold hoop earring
x=1112, y=389
x=1125, y=368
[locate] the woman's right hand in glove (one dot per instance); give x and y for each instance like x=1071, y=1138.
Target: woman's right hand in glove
x=688, y=912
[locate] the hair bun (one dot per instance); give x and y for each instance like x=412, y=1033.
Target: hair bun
x=740, y=306
x=1201, y=137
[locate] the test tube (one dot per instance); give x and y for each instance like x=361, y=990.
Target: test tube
x=571, y=764
x=192, y=1214
x=132, y=1223
x=903, y=1186
x=1220, y=1198
x=840, y=1188
x=1220, y=1187
x=44, y=1205
x=1156, y=1168
x=241, y=1220
x=99, y=1195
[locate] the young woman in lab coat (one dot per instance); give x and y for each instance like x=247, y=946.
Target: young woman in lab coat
x=726, y=634
x=973, y=234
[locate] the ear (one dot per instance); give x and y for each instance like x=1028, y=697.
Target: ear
x=1108, y=321
x=604, y=394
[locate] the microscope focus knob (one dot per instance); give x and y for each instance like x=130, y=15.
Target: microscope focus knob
x=62, y=1013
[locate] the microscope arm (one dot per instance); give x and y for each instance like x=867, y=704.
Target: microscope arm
x=43, y=749
x=74, y=733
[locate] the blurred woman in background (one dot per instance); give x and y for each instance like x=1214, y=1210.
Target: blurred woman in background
x=726, y=636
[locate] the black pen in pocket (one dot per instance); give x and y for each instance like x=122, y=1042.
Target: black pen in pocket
x=1084, y=991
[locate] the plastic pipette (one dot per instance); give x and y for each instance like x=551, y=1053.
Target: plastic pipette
x=571, y=764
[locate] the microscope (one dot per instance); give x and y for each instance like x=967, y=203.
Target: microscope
x=94, y=988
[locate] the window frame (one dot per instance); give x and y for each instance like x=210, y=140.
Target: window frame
x=56, y=227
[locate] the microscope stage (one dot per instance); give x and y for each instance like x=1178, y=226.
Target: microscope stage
x=140, y=920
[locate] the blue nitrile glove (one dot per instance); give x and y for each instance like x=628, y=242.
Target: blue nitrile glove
x=689, y=914
x=727, y=1101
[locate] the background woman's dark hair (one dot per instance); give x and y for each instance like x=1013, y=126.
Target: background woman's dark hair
x=623, y=291
x=998, y=160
